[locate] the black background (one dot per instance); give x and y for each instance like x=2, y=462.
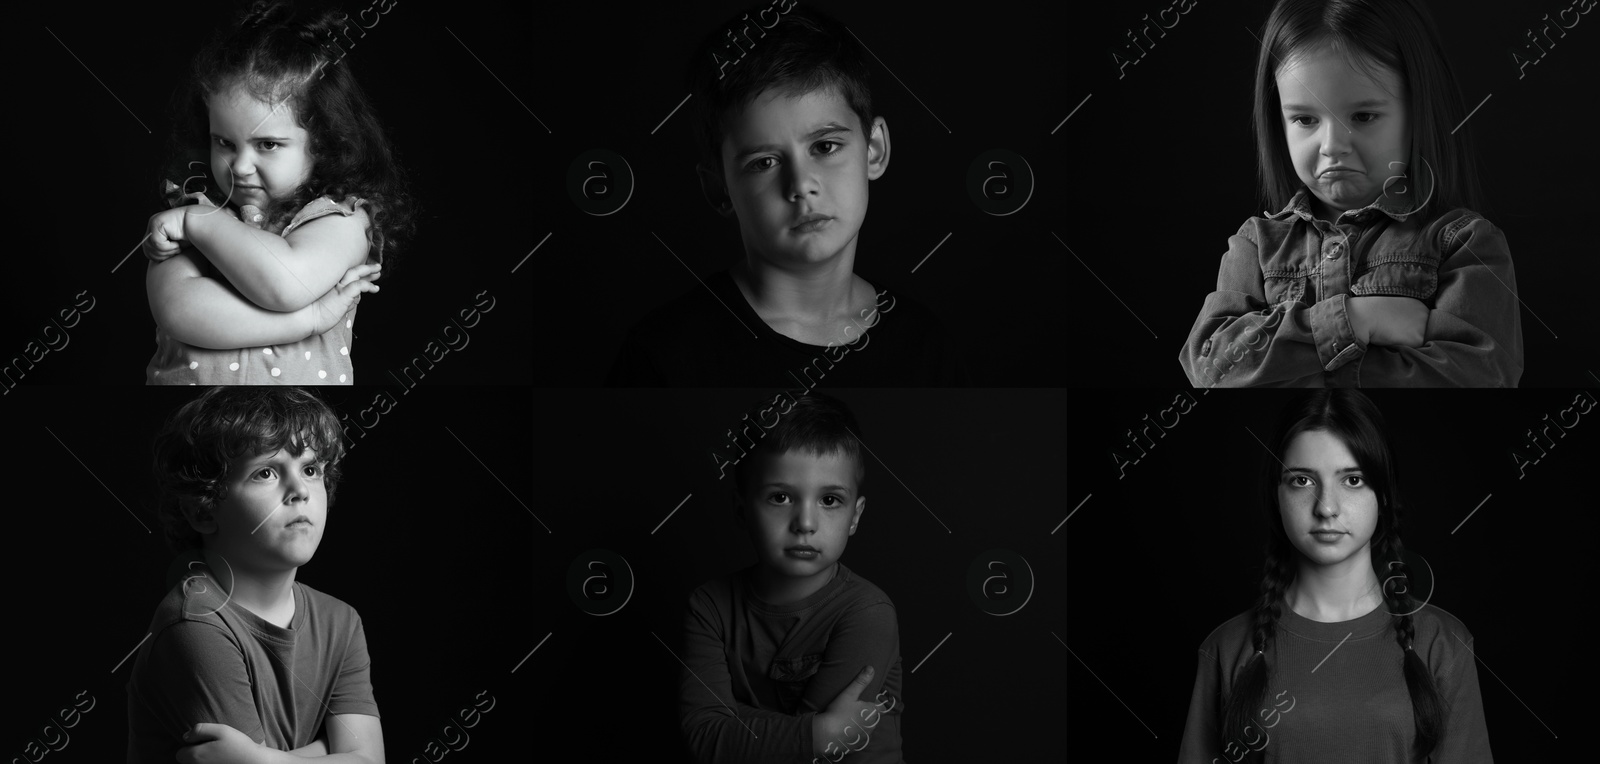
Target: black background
x=89, y=193
x=458, y=577
x=1171, y=158
x=1160, y=557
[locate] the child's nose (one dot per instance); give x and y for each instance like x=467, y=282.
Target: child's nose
x=1335, y=140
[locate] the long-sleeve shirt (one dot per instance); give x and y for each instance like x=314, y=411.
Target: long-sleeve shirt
x=210, y=660
x=1278, y=317
x=1337, y=692
x=758, y=673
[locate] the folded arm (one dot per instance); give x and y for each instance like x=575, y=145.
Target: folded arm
x=1474, y=332
x=717, y=727
x=198, y=310
x=275, y=272
x=1239, y=340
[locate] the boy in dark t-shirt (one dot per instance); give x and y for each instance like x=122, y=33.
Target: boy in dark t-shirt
x=788, y=142
x=243, y=663
x=797, y=656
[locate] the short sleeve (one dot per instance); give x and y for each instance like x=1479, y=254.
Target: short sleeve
x=197, y=673
x=323, y=206
x=352, y=686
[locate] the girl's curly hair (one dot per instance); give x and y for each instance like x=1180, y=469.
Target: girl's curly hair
x=278, y=58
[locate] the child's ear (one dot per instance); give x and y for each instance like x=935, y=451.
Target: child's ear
x=878, y=149
x=202, y=520
x=861, y=506
x=714, y=190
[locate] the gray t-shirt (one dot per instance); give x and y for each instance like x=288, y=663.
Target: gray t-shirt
x=209, y=660
x=1337, y=691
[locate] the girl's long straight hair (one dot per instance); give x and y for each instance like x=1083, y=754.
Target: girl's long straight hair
x=1398, y=35
x=1350, y=416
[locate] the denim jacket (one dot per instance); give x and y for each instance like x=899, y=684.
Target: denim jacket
x=1277, y=317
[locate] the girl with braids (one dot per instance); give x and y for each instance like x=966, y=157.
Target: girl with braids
x=1336, y=662
x=286, y=200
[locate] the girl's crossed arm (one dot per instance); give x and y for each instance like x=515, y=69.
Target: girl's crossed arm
x=198, y=310
x=275, y=272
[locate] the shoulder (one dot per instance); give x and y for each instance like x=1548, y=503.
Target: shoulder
x=1461, y=226
x=351, y=207
x=1229, y=635
x=861, y=593
x=709, y=594
x=698, y=309
x=1437, y=627
x=327, y=605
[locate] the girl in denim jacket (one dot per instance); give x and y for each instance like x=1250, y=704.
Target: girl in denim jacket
x=1375, y=271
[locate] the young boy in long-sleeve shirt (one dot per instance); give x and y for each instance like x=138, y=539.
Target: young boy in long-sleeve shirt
x=796, y=656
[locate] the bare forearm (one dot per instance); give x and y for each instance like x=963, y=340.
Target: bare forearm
x=202, y=312
x=315, y=749
x=290, y=757
x=254, y=260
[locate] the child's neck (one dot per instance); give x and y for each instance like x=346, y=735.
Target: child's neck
x=269, y=594
x=775, y=589
x=822, y=293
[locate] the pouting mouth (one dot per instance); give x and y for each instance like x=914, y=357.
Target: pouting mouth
x=802, y=549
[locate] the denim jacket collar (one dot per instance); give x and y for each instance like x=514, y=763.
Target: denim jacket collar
x=1398, y=201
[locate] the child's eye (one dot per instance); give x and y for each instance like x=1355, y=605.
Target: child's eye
x=263, y=145
x=1293, y=478
x=221, y=143
x=316, y=468
x=1370, y=114
x=1295, y=120
x=752, y=166
x=1361, y=480
x=773, y=497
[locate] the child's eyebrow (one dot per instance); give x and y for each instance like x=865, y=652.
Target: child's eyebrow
x=825, y=488
x=1367, y=104
x=308, y=455
x=1339, y=471
x=258, y=138
x=832, y=128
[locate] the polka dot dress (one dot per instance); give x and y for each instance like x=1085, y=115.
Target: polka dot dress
x=320, y=360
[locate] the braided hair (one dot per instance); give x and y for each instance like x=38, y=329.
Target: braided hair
x=1352, y=417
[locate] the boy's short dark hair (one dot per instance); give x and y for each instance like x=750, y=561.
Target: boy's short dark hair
x=802, y=51
x=816, y=424
x=196, y=448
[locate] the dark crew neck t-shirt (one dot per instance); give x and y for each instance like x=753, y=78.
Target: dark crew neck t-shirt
x=711, y=337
